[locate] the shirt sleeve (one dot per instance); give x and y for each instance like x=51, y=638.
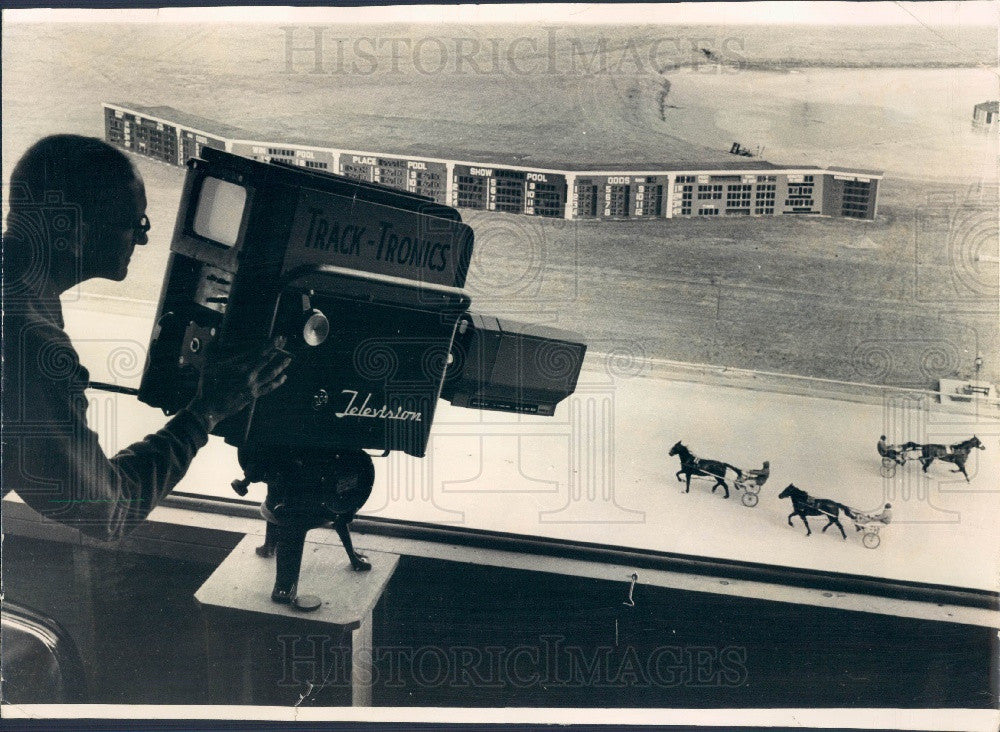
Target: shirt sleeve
x=57, y=466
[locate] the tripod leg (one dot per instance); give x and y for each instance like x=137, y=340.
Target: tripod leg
x=288, y=545
x=290, y=541
x=358, y=563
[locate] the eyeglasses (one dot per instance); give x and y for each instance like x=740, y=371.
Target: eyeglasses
x=139, y=228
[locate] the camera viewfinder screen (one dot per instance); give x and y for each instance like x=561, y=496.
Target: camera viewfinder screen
x=220, y=210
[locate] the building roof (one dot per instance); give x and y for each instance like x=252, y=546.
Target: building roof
x=988, y=106
x=855, y=171
x=633, y=162
x=169, y=114
x=703, y=159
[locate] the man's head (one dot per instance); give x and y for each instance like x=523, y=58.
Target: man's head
x=100, y=183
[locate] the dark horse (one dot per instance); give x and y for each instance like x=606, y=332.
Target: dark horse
x=690, y=465
x=805, y=505
x=957, y=454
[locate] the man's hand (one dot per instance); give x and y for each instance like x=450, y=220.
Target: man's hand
x=229, y=384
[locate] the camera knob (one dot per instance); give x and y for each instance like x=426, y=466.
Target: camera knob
x=315, y=327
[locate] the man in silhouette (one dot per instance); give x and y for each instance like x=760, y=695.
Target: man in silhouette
x=77, y=211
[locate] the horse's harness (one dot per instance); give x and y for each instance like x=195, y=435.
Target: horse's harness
x=964, y=447
x=813, y=503
x=692, y=461
x=953, y=451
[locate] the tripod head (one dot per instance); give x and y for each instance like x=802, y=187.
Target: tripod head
x=331, y=483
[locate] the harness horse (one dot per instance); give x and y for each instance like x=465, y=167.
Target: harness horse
x=955, y=454
x=805, y=505
x=691, y=465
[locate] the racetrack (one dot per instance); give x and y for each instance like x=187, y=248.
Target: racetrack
x=905, y=300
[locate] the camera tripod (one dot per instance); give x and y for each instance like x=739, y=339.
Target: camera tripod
x=306, y=490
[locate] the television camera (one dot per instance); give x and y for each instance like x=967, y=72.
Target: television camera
x=365, y=284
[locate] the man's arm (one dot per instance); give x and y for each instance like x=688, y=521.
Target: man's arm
x=55, y=462
x=106, y=497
